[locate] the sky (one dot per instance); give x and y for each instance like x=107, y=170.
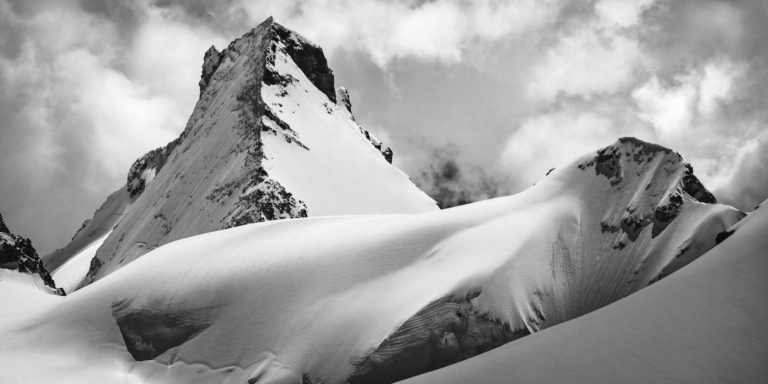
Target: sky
x=477, y=98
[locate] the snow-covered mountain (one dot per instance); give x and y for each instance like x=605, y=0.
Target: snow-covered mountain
x=375, y=298
x=266, y=141
x=18, y=254
x=704, y=324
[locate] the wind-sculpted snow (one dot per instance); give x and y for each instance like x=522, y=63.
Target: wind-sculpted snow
x=266, y=141
x=375, y=298
x=703, y=324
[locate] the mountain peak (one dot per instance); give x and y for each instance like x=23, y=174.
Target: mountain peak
x=265, y=141
x=308, y=56
x=629, y=152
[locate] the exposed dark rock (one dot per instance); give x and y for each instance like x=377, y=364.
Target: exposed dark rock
x=264, y=199
x=693, y=187
x=387, y=154
x=3, y=227
x=342, y=99
x=309, y=58
x=148, y=166
x=664, y=214
x=720, y=237
x=148, y=333
x=17, y=253
x=211, y=61
x=291, y=136
x=607, y=163
x=444, y=332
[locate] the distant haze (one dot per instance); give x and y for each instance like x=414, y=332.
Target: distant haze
x=477, y=99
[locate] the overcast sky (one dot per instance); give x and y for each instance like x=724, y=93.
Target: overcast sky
x=477, y=98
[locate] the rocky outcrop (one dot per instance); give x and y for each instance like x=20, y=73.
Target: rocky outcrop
x=307, y=56
x=17, y=253
x=149, y=333
x=444, y=332
x=211, y=61
x=144, y=169
x=693, y=187
x=343, y=100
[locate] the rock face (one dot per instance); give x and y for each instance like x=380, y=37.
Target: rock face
x=444, y=332
x=17, y=253
x=266, y=141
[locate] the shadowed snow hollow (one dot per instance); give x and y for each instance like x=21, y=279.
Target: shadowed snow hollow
x=378, y=298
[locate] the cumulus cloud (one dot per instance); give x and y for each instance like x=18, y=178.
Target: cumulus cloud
x=520, y=86
x=746, y=186
x=387, y=30
x=553, y=139
x=599, y=54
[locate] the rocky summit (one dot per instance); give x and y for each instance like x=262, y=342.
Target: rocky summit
x=266, y=141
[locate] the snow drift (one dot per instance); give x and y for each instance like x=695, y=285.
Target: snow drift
x=376, y=298
x=704, y=324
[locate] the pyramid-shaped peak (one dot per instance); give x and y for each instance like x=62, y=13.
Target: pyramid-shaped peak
x=261, y=43
x=260, y=145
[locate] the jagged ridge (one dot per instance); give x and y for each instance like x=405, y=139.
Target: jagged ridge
x=17, y=253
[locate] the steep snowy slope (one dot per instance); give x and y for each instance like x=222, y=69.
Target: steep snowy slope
x=367, y=299
x=704, y=324
x=93, y=229
x=265, y=141
x=70, y=275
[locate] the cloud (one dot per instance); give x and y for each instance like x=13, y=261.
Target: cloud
x=520, y=86
x=746, y=186
x=597, y=53
x=689, y=115
x=388, y=30
x=584, y=62
x=453, y=182
x=552, y=140
x=622, y=13
x=80, y=102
